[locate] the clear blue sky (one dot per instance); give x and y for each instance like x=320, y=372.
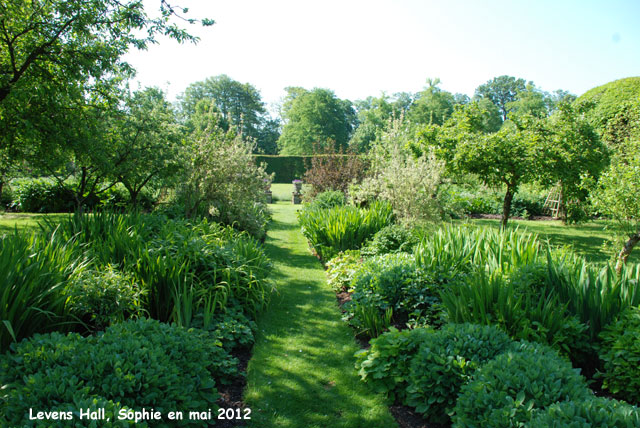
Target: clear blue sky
x=363, y=47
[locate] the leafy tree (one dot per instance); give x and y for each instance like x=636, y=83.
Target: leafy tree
x=477, y=117
x=530, y=101
x=432, y=106
x=501, y=91
x=268, y=134
x=314, y=117
x=373, y=115
x=504, y=158
x=79, y=153
x=146, y=138
x=567, y=148
x=52, y=50
x=240, y=104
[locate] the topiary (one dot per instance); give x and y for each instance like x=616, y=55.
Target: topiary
x=507, y=390
x=620, y=354
x=594, y=412
x=445, y=361
x=385, y=365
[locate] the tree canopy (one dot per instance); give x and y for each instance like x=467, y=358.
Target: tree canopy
x=314, y=117
x=61, y=54
x=501, y=91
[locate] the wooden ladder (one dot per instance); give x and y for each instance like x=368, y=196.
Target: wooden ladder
x=552, y=203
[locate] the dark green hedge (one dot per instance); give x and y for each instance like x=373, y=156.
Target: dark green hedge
x=286, y=168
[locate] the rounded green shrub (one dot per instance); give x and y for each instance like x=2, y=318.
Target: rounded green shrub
x=102, y=297
x=620, y=354
x=329, y=199
x=445, y=361
x=507, y=390
x=385, y=365
x=137, y=364
x=390, y=239
x=595, y=412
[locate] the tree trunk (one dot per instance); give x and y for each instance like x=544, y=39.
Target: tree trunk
x=506, y=206
x=133, y=199
x=626, y=250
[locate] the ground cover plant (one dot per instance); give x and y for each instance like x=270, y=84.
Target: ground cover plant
x=132, y=365
x=507, y=390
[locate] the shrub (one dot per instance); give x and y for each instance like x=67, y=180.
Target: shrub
x=390, y=239
x=222, y=180
x=620, y=354
x=329, y=199
x=445, y=361
x=342, y=268
x=43, y=196
x=331, y=170
x=135, y=364
x=102, y=297
x=332, y=230
x=507, y=390
x=385, y=365
x=6, y=198
x=407, y=182
x=594, y=412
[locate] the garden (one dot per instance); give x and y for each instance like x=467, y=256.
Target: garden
x=418, y=260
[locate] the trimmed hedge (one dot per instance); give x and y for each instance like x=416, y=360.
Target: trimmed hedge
x=286, y=168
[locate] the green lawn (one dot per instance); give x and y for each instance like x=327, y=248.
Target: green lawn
x=586, y=239
x=302, y=370
x=25, y=221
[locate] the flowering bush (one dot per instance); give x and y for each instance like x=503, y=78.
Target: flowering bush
x=223, y=180
x=409, y=183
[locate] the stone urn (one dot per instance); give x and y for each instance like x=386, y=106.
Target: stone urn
x=297, y=186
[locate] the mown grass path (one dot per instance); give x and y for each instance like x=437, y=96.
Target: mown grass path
x=302, y=370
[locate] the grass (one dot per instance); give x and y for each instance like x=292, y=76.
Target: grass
x=9, y=222
x=586, y=239
x=302, y=370
x=281, y=192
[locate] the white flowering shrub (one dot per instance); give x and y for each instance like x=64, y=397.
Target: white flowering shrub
x=408, y=182
x=223, y=180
